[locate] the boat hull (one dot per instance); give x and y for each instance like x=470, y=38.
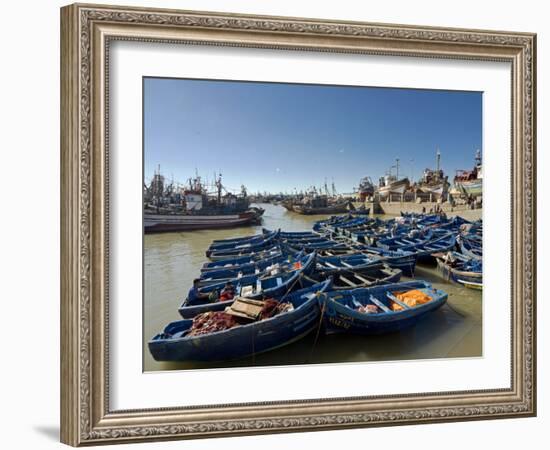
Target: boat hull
x=154, y=223
x=473, y=188
x=338, y=318
x=309, y=211
x=245, y=340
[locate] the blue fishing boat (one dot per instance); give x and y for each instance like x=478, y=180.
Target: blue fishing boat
x=398, y=259
x=241, y=242
x=251, y=258
x=373, y=275
x=255, y=286
x=242, y=249
x=355, y=262
x=423, y=247
x=377, y=310
x=470, y=247
x=174, y=344
x=292, y=234
x=460, y=268
x=325, y=244
x=260, y=268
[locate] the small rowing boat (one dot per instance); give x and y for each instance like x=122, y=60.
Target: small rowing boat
x=241, y=249
x=380, y=309
x=373, y=275
x=460, y=268
x=260, y=268
x=301, y=316
x=255, y=286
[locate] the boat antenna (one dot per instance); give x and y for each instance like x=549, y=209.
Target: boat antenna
x=478, y=156
x=438, y=159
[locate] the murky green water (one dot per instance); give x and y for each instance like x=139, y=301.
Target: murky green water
x=172, y=260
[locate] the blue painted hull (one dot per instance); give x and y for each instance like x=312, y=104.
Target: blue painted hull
x=465, y=269
x=424, y=249
x=241, y=341
x=404, y=261
x=469, y=249
x=242, y=249
x=233, y=243
x=269, y=289
x=236, y=261
x=216, y=276
x=339, y=318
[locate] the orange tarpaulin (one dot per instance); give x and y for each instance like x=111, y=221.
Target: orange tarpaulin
x=410, y=298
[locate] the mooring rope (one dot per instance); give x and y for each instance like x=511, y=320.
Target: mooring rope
x=319, y=325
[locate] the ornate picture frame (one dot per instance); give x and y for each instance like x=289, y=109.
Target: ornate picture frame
x=86, y=34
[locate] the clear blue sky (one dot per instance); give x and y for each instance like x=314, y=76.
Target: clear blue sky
x=276, y=137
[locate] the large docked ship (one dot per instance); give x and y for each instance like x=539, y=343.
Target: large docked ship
x=392, y=184
x=365, y=189
x=470, y=182
x=434, y=182
x=192, y=207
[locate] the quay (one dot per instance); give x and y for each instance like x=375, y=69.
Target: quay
x=394, y=208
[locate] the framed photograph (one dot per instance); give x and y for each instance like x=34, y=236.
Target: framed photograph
x=276, y=224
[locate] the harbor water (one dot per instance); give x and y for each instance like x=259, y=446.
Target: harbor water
x=172, y=260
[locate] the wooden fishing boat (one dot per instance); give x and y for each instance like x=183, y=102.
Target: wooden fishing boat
x=255, y=286
x=252, y=241
x=393, y=186
x=459, y=268
x=156, y=223
x=260, y=268
x=384, y=312
x=422, y=247
x=398, y=259
x=469, y=247
x=250, y=258
x=174, y=344
x=356, y=262
x=242, y=249
x=326, y=244
x=307, y=209
x=369, y=276
x=231, y=242
x=292, y=234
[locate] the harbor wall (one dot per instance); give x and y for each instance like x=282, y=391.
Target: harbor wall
x=395, y=208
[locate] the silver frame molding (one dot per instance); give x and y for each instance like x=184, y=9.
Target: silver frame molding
x=86, y=32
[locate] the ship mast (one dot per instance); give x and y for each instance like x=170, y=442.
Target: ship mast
x=437, y=159
x=219, y=188
x=397, y=169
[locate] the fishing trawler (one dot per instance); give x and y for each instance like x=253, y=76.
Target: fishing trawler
x=321, y=201
x=365, y=189
x=192, y=207
x=470, y=182
x=391, y=184
x=434, y=182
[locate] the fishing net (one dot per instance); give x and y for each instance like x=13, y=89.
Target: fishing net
x=213, y=321
x=410, y=298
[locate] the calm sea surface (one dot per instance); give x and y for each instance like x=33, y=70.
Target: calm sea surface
x=172, y=260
